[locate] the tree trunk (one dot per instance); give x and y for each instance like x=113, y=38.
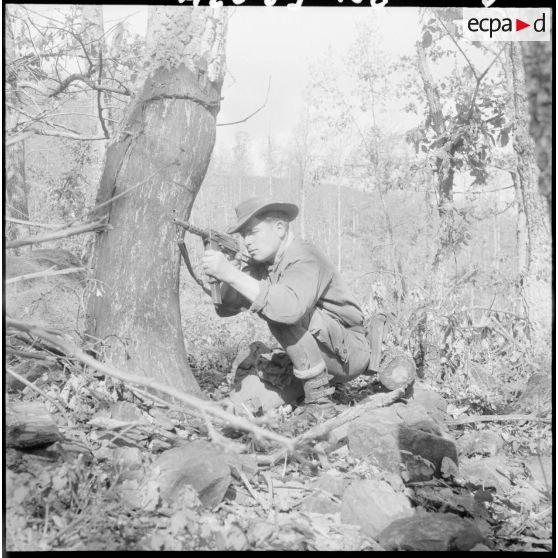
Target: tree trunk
x=17, y=190
x=165, y=143
x=537, y=274
x=537, y=62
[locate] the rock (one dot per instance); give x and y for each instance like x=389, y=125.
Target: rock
x=331, y=483
x=30, y=369
x=125, y=412
x=29, y=425
x=372, y=442
x=385, y=440
x=128, y=462
x=373, y=505
x=428, y=446
x=320, y=502
x=161, y=419
x=199, y=464
x=540, y=467
x=480, y=442
x=431, y=532
x=431, y=401
x=537, y=395
x=482, y=472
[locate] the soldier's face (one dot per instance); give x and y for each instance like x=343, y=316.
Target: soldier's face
x=263, y=238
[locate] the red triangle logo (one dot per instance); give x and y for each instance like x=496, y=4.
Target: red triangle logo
x=519, y=25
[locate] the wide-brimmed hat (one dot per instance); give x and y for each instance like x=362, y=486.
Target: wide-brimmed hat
x=255, y=206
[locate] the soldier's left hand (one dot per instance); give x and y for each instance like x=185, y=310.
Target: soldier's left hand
x=215, y=264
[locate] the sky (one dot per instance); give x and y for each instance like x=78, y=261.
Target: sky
x=281, y=43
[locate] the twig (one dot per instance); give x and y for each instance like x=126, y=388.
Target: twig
x=129, y=189
x=496, y=418
x=46, y=273
x=252, y=492
x=26, y=354
x=80, y=229
x=53, y=226
x=73, y=352
x=37, y=389
x=251, y=115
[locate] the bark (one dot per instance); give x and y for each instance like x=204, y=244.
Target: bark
x=536, y=276
x=17, y=189
x=168, y=135
x=537, y=62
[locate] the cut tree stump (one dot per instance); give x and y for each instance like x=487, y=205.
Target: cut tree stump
x=29, y=425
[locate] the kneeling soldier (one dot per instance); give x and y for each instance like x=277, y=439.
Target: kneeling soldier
x=305, y=302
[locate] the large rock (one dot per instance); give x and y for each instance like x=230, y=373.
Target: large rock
x=431, y=401
x=373, y=505
x=199, y=464
x=431, y=532
x=482, y=472
x=388, y=436
x=537, y=396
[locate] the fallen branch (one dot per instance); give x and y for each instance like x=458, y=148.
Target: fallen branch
x=46, y=273
x=36, y=389
x=322, y=431
x=52, y=226
x=496, y=418
x=80, y=229
x=73, y=352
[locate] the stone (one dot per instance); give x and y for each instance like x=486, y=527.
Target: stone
x=320, y=502
x=536, y=398
x=540, y=467
x=331, y=483
x=125, y=412
x=373, y=505
x=128, y=462
x=199, y=464
x=430, y=400
x=482, y=472
x=428, y=446
x=480, y=442
x=431, y=532
x=384, y=440
x=31, y=370
x=372, y=442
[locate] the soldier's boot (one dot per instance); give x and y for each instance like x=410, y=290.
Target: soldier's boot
x=317, y=392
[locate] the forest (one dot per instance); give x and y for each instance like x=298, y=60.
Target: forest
x=426, y=179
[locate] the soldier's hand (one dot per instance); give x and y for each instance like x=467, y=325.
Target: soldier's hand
x=216, y=265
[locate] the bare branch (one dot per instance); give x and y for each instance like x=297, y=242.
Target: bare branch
x=52, y=226
x=254, y=113
x=46, y=273
x=72, y=231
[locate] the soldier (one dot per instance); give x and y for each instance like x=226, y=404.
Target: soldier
x=309, y=310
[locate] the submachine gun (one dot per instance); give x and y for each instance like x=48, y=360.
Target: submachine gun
x=225, y=243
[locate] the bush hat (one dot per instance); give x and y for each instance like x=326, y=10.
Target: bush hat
x=255, y=206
